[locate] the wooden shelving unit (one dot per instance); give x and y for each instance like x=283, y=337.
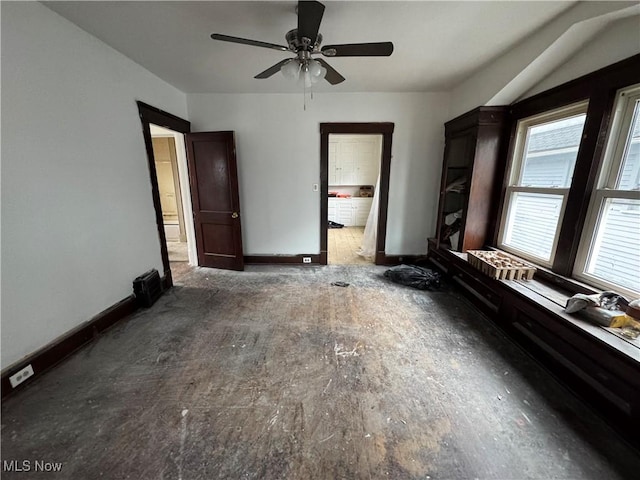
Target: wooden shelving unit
x=469, y=177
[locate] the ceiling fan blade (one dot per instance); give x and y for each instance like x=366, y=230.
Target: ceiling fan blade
x=379, y=49
x=245, y=41
x=309, y=18
x=272, y=70
x=332, y=76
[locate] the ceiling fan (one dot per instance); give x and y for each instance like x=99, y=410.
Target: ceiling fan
x=304, y=42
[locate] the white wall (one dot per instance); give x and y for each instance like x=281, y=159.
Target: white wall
x=78, y=221
x=278, y=150
x=618, y=41
x=522, y=66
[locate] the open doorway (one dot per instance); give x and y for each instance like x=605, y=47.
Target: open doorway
x=153, y=116
x=173, y=187
x=353, y=178
x=340, y=170
x=208, y=189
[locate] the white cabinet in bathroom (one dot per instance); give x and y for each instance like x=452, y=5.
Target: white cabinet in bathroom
x=361, y=207
x=354, y=161
x=350, y=212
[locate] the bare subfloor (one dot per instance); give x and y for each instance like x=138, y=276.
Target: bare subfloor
x=343, y=243
x=275, y=373
x=177, y=251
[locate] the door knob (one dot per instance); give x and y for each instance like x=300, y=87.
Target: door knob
x=234, y=215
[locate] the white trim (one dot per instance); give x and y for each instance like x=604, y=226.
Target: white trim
x=599, y=283
x=544, y=190
x=516, y=170
x=630, y=194
x=616, y=142
x=610, y=171
x=557, y=151
x=587, y=244
x=185, y=187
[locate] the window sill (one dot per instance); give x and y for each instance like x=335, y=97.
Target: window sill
x=570, y=285
x=554, y=300
x=598, y=365
x=547, y=292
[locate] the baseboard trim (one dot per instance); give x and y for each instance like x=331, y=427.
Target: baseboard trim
x=166, y=281
x=282, y=259
x=383, y=259
x=321, y=259
x=60, y=348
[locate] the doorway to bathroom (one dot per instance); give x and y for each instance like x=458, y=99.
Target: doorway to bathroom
x=355, y=163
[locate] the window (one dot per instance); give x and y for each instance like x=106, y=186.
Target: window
x=540, y=176
x=609, y=253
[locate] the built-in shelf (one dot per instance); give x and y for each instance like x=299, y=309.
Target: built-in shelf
x=471, y=152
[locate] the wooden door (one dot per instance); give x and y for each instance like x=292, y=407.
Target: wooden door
x=216, y=204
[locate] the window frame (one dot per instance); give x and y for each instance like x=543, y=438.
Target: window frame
x=515, y=172
x=605, y=187
x=599, y=88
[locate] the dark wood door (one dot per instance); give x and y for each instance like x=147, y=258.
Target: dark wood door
x=216, y=205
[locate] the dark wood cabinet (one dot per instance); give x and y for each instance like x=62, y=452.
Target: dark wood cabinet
x=470, y=175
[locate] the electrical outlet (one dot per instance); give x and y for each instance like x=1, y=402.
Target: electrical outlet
x=306, y=259
x=315, y=187
x=17, y=378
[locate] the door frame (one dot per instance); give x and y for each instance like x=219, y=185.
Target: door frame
x=382, y=128
x=149, y=114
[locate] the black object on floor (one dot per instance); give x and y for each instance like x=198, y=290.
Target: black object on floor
x=413, y=276
x=335, y=224
x=147, y=288
x=340, y=284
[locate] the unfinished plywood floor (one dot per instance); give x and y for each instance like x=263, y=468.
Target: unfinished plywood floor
x=177, y=251
x=342, y=245
x=276, y=374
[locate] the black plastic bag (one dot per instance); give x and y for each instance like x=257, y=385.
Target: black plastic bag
x=412, y=276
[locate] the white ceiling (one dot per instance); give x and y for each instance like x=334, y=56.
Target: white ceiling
x=437, y=44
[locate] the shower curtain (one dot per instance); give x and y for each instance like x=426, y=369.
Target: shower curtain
x=368, y=247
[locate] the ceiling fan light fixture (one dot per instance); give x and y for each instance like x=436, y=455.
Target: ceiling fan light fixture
x=291, y=69
x=309, y=71
x=315, y=69
x=308, y=79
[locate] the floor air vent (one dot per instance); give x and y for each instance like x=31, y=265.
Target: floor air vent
x=147, y=288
